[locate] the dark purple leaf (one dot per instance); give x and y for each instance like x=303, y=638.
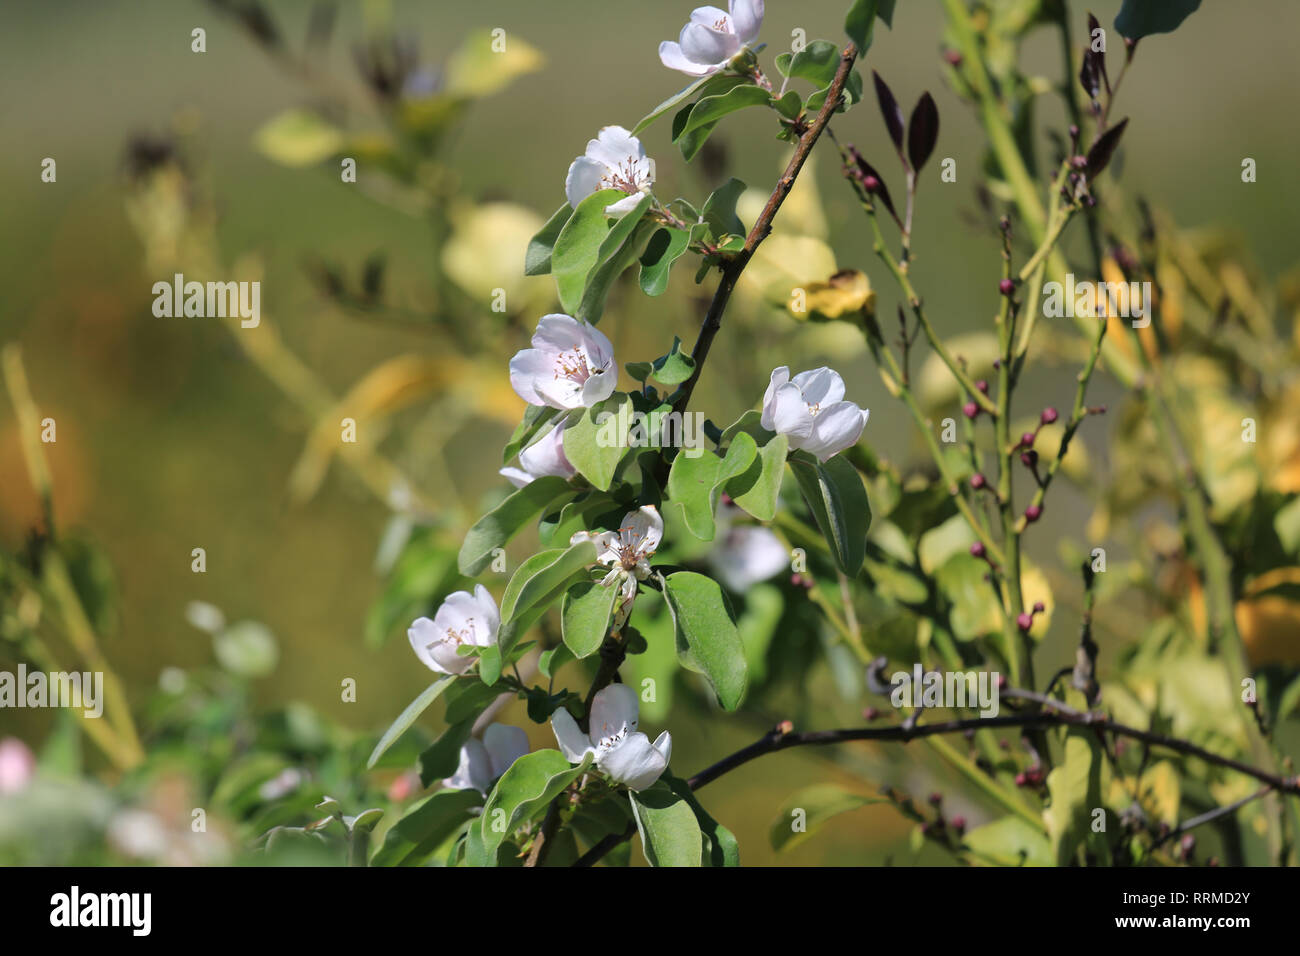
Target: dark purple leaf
x=1100, y=152
x=890, y=111
x=1092, y=75
x=865, y=169
x=922, y=131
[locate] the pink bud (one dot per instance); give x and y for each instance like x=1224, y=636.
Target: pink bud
x=970, y=409
x=1025, y=621
x=1006, y=287
x=1048, y=416
x=1033, y=512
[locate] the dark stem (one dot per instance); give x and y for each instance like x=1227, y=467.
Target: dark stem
x=734, y=266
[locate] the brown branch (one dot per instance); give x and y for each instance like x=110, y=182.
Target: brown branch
x=734, y=266
x=782, y=738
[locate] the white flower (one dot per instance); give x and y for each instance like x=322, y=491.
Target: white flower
x=713, y=37
x=811, y=412
x=620, y=751
x=482, y=762
x=571, y=365
x=626, y=552
x=747, y=555
x=543, y=457
x=463, y=618
x=615, y=159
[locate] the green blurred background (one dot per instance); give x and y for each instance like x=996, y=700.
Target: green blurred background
x=168, y=439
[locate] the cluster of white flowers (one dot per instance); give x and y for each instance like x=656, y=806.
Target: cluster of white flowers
x=570, y=366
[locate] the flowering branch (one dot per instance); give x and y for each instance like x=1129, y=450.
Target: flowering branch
x=1054, y=714
x=734, y=266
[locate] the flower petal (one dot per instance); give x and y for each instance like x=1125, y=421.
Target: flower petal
x=671, y=56
x=598, y=387
x=489, y=616
x=505, y=744
x=529, y=369
x=790, y=414
x=706, y=45
x=780, y=376
x=573, y=742
x=614, y=146
x=582, y=180
x=546, y=456
x=474, y=772
x=642, y=530
x=516, y=476
x=835, y=429
x=821, y=386
x=664, y=744
x=613, y=710
x=634, y=761
x=746, y=19
x=438, y=654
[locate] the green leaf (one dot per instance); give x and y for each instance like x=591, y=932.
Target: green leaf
x=718, y=83
x=597, y=441
x=839, y=503
x=550, y=661
x=1011, y=841
x=720, y=209
x=670, y=833
x=523, y=792
x=695, y=482
x=885, y=10
x=709, y=109
x=538, y=583
x=664, y=248
x=707, y=639
x=860, y=22
x=758, y=489
x=1140, y=18
x=537, y=259
x=412, y=712
x=809, y=808
x=298, y=138
x=585, y=614
x=675, y=367
x=1075, y=788
x=816, y=63
x=503, y=522
x=720, y=846
x=577, y=249
x=441, y=758
x=790, y=105
x=620, y=249
x=426, y=827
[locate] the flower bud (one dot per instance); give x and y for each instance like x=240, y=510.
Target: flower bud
x=978, y=481
x=977, y=549
x=1033, y=512
x=1025, y=621
x=1006, y=287
x=1049, y=415
x=970, y=409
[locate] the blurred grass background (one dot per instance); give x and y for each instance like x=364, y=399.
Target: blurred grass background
x=168, y=440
